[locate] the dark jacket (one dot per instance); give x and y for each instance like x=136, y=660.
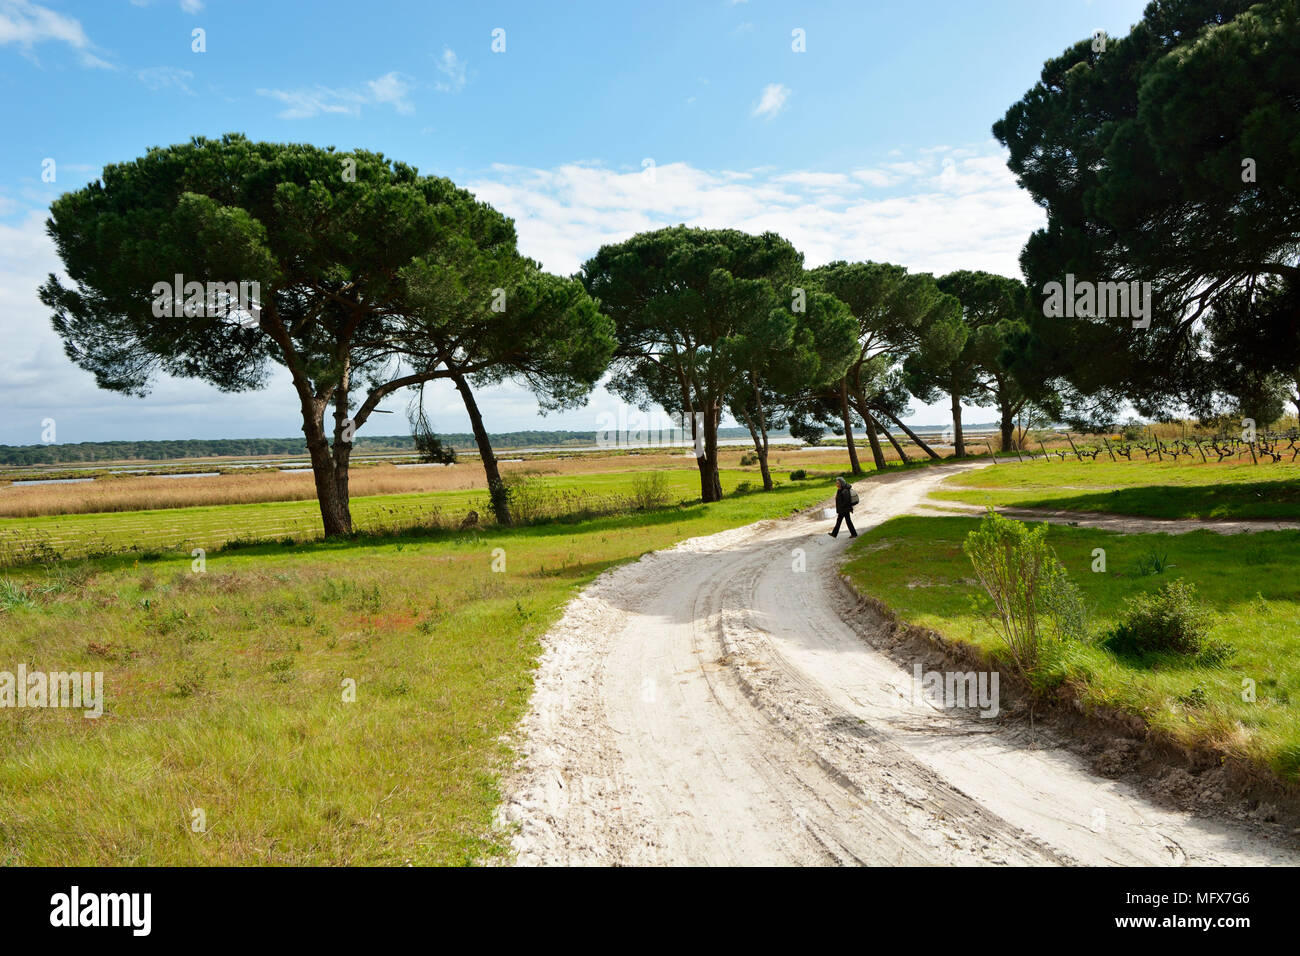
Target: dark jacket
x=843, y=501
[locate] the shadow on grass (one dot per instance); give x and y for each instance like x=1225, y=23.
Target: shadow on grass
x=1227, y=569
x=1257, y=499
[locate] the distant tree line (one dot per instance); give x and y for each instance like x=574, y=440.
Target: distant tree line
x=161, y=450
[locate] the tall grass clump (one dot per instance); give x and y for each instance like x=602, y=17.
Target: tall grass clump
x=649, y=490
x=12, y=595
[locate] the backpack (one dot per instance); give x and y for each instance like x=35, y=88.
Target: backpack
x=853, y=496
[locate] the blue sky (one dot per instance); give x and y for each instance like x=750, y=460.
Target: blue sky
x=597, y=120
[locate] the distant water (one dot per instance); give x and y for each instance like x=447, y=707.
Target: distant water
x=53, y=481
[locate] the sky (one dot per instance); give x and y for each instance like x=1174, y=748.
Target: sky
x=587, y=123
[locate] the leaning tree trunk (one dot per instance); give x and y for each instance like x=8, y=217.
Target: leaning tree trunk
x=915, y=438
x=759, y=438
x=902, y=455
x=877, y=453
x=760, y=451
x=497, y=492
x=959, y=440
x=848, y=429
x=873, y=430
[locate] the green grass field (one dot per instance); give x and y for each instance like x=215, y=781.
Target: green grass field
x=1148, y=488
x=224, y=689
x=916, y=566
x=211, y=526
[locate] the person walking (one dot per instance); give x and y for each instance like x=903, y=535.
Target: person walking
x=843, y=508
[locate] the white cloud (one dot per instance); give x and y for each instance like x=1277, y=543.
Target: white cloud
x=942, y=213
x=303, y=104
x=187, y=6
x=27, y=24
x=391, y=89
x=817, y=180
x=875, y=177
x=453, y=68
x=166, y=77
x=772, y=101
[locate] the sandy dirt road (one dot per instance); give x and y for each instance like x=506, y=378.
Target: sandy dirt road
x=708, y=704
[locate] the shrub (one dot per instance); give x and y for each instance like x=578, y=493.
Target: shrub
x=749, y=458
x=1170, y=620
x=650, y=490
x=1020, y=573
x=799, y=474
x=1066, y=608
x=743, y=488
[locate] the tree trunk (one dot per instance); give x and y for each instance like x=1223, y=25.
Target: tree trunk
x=959, y=440
x=709, y=477
x=343, y=436
x=877, y=453
x=706, y=458
x=758, y=432
x=336, y=518
x=1008, y=429
x=902, y=455
x=760, y=450
x=497, y=492
x=848, y=429
x=916, y=439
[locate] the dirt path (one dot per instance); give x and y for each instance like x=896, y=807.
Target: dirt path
x=709, y=705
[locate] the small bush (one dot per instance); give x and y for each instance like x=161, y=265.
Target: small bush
x=799, y=474
x=1022, y=576
x=650, y=490
x=1066, y=608
x=743, y=488
x=749, y=458
x=1169, y=620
